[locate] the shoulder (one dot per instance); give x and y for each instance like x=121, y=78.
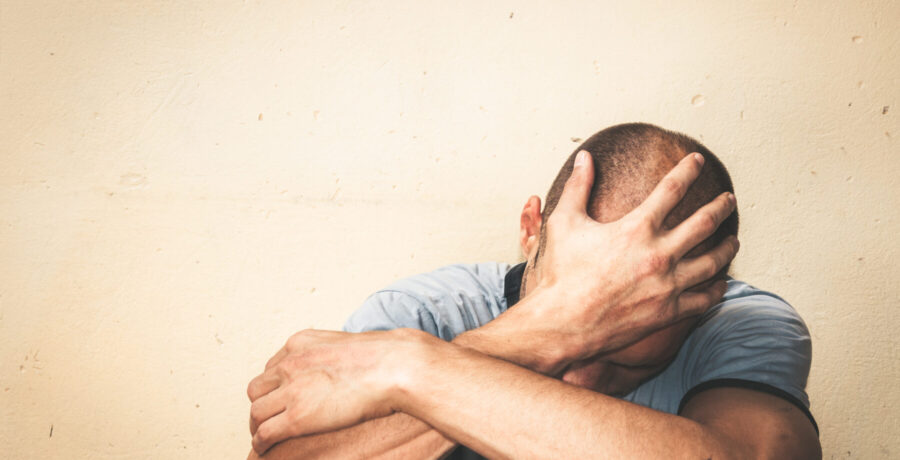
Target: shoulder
x=750, y=358
x=754, y=310
x=751, y=314
x=444, y=302
x=751, y=336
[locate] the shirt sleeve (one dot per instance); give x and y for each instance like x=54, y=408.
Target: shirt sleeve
x=387, y=310
x=756, y=341
x=444, y=303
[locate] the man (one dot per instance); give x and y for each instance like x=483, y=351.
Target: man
x=618, y=308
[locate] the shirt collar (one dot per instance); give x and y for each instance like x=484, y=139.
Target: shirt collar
x=513, y=284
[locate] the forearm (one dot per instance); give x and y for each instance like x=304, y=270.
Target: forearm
x=518, y=336
x=517, y=413
x=398, y=435
x=527, y=337
x=395, y=436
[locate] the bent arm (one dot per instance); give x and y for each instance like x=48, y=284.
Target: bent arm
x=547, y=351
x=521, y=414
x=400, y=435
x=395, y=436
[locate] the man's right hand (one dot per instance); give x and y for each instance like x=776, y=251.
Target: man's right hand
x=603, y=286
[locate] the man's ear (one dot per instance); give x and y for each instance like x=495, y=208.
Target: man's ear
x=530, y=225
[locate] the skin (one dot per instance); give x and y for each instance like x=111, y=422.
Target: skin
x=577, y=327
x=619, y=372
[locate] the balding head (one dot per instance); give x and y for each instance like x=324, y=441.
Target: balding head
x=629, y=161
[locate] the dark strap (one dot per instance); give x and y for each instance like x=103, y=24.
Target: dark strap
x=513, y=284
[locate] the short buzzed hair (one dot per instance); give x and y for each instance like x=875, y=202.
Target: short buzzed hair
x=629, y=161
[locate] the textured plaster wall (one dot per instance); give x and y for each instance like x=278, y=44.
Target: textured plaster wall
x=185, y=184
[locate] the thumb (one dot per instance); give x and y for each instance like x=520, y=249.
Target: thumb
x=576, y=193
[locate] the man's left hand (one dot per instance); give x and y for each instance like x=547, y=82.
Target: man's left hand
x=322, y=381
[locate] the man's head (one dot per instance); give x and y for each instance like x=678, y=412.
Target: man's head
x=629, y=161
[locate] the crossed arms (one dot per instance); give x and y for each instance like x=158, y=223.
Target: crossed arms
x=406, y=394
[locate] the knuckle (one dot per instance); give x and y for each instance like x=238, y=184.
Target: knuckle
x=295, y=414
x=659, y=262
x=255, y=415
x=286, y=366
x=295, y=417
x=669, y=289
x=710, y=270
x=296, y=341
x=645, y=221
x=675, y=311
x=264, y=434
x=668, y=262
x=707, y=222
x=673, y=186
x=641, y=224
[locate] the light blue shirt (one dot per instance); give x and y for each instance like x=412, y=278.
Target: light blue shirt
x=752, y=339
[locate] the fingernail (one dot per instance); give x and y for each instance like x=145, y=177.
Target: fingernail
x=580, y=158
x=699, y=158
x=731, y=198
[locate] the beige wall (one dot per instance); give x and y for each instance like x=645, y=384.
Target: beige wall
x=182, y=185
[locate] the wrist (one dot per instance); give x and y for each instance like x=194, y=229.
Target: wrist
x=403, y=375
x=559, y=337
x=531, y=334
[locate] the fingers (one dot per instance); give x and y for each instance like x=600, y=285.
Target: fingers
x=292, y=343
x=671, y=188
x=272, y=431
x=577, y=191
x=701, y=224
x=299, y=340
x=277, y=357
x=266, y=407
x=691, y=272
x=263, y=384
x=691, y=303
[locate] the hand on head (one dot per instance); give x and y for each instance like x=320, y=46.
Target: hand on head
x=614, y=283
